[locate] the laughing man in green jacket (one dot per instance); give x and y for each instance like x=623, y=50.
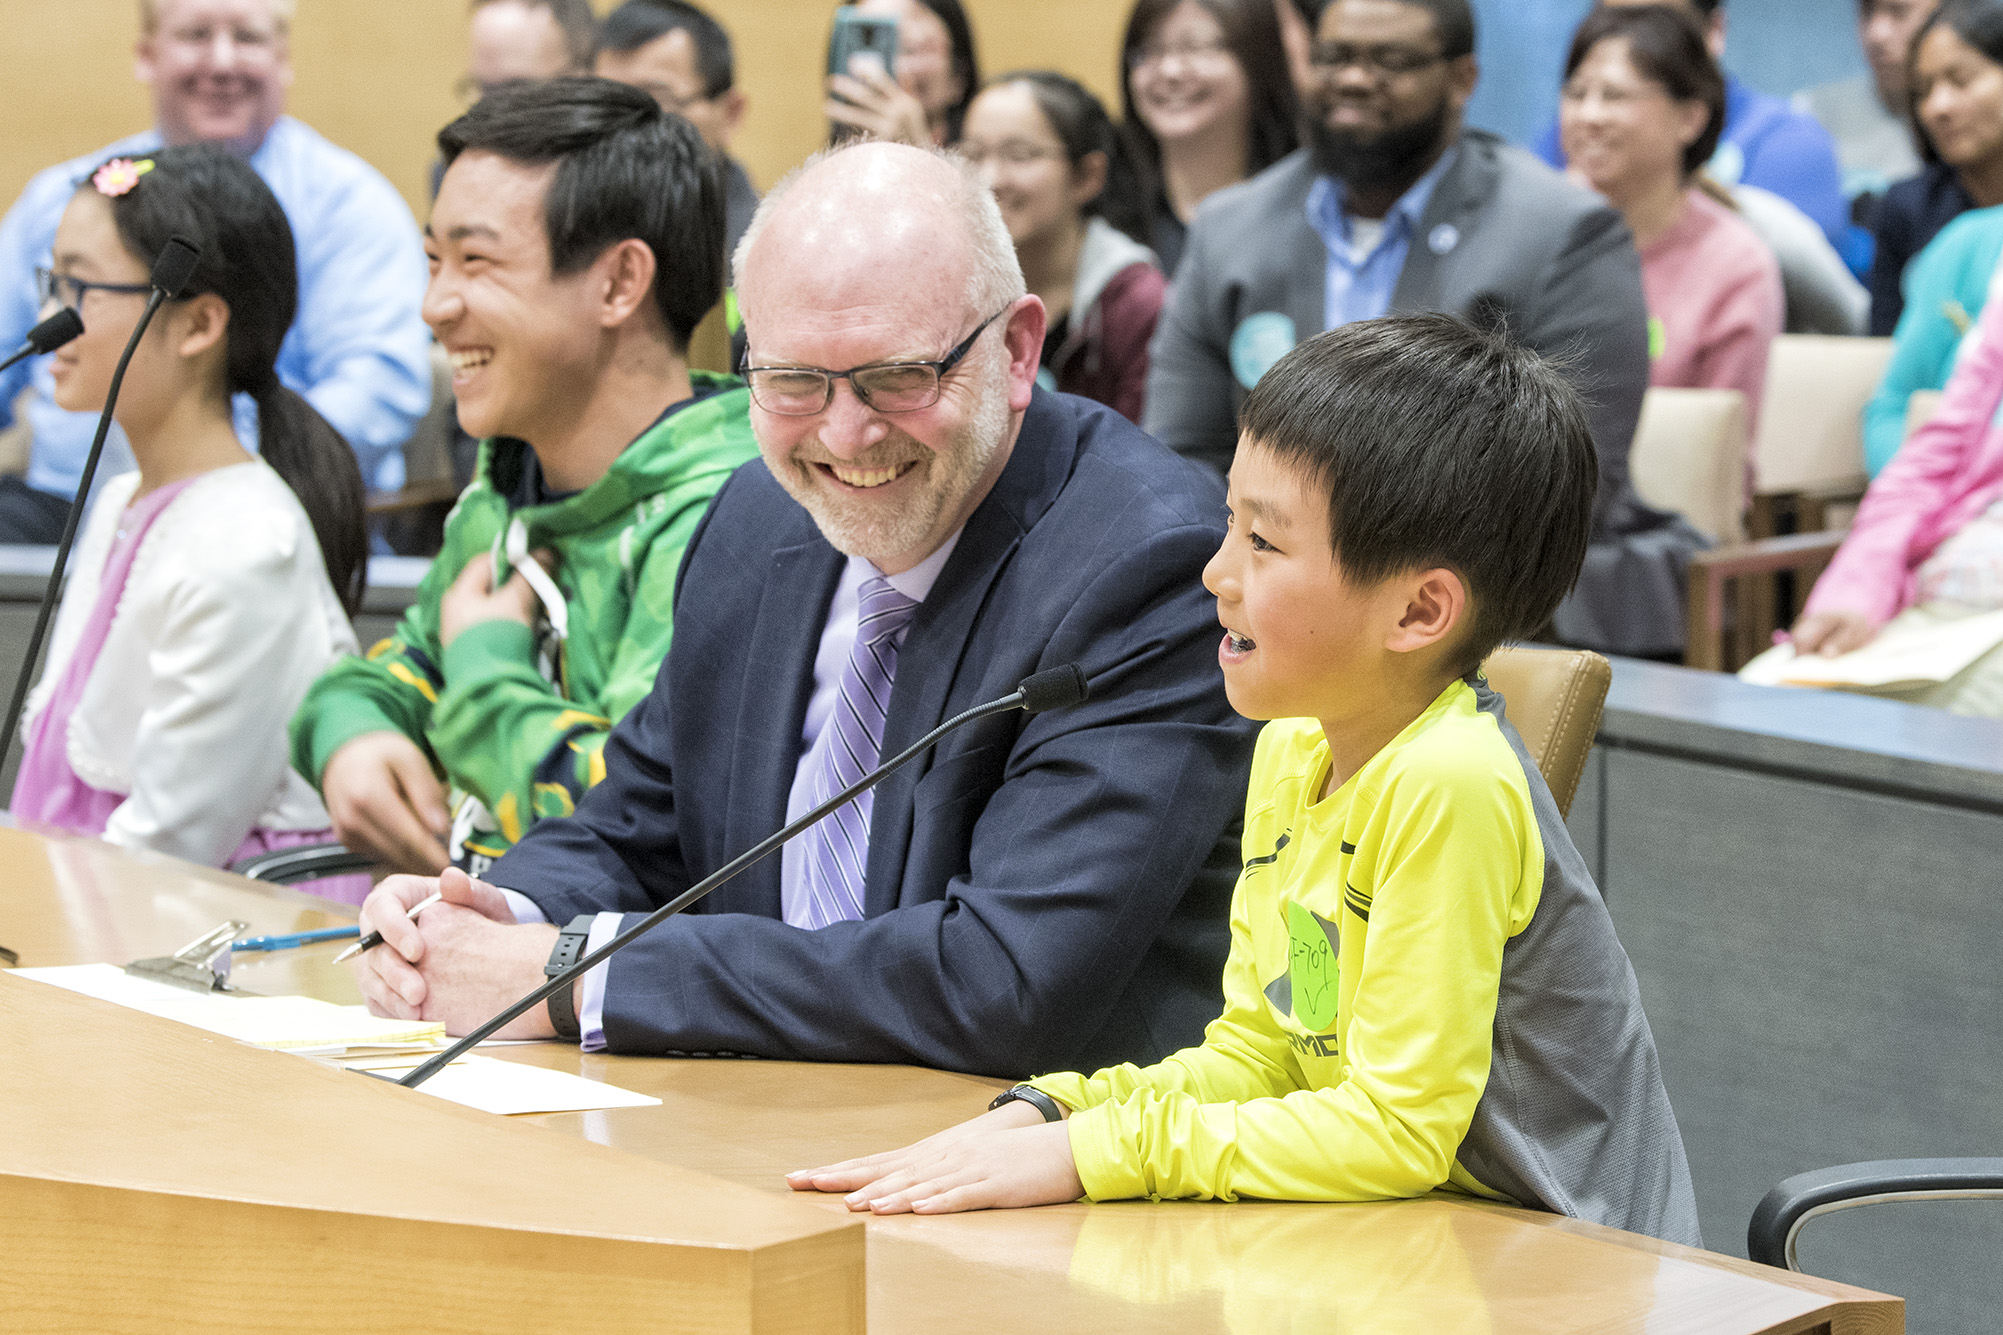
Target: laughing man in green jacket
x=576, y=241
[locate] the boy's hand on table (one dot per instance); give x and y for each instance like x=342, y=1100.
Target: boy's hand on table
x=1000, y=1160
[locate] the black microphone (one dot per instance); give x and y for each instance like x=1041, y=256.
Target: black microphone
x=171, y=272
x=47, y=336
x=1055, y=688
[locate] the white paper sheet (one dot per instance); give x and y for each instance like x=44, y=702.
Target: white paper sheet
x=269, y=1022
x=1909, y=658
x=510, y=1088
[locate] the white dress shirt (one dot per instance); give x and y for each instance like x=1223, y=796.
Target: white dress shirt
x=837, y=640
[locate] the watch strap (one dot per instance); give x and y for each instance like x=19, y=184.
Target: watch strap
x=1034, y=1097
x=570, y=943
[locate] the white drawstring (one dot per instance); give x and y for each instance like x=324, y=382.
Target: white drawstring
x=553, y=604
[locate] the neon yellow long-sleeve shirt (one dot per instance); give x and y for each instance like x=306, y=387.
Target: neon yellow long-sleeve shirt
x=1373, y=933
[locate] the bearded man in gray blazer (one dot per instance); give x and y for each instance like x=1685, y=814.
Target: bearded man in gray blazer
x=1394, y=208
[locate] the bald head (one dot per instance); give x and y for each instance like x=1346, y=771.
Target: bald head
x=857, y=224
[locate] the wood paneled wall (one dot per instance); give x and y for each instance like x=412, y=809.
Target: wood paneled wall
x=376, y=76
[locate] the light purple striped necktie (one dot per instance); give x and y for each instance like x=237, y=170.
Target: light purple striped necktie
x=838, y=847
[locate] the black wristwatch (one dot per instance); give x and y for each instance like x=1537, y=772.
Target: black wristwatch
x=569, y=949
x=1034, y=1097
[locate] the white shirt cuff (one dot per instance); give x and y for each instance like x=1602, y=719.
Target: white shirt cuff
x=591, y=987
x=524, y=908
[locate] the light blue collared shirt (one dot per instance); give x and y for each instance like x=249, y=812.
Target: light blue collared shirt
x=1359, y=286
x=358, y=350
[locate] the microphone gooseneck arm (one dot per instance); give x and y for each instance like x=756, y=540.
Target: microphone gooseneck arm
x=1053, y=689
x=171, y=272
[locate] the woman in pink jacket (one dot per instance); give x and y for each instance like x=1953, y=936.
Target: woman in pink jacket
x=1927, y=547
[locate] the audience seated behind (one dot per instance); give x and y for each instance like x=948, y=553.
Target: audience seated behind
x=1765, y=142
x=509, y=41
x=1927, y=545
x=924, y=102
x=1947, y=287
x=1458, y=222
x=357, y=349
x=1049, y=890
x=1866, y=114
x=547, y=613
x=1821, y=295
x=1642, y=108
x=1207, y=99
x=682, y=57
x=211, y=585
x=1957, y=110
x=1061, y=174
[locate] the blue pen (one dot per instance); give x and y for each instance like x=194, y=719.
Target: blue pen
x=289, y=940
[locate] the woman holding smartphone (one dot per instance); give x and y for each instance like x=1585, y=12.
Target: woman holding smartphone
x=922, y=100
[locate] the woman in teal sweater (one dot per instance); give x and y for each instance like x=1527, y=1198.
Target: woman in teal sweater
x=1945, y=289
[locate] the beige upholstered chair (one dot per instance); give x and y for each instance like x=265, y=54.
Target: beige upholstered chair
x=1554, y=697
x=1689, y=456
x=1810, y=445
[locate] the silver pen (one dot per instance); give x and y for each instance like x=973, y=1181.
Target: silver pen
x=374, y=939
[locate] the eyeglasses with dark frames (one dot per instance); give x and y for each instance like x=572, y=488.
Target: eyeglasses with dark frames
x=887, y=387
x=1383, y=61
x=66, y=290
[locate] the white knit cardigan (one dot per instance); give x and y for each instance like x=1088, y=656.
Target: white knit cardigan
x=226, y=618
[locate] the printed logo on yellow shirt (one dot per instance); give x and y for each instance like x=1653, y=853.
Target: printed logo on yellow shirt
x=1312, y=969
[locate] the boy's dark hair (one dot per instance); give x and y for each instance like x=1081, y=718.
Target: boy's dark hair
x=1665, y=46
x=638, y=22
x=574, y=20
x=203, y=193
x=1453, y=20
x=1439, y=444
x=625, y=169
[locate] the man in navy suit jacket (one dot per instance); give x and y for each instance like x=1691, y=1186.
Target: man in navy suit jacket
x=1043, y=891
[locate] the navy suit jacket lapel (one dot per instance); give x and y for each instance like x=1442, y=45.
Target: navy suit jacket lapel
x=928, y=662
x=777, y=682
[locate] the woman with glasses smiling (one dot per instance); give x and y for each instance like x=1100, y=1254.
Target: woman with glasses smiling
x=1641, y=110
x=1207, y=101
x=1057, y=167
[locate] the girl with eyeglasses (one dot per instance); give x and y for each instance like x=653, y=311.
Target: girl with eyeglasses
x=1054, y=160
x=1208, y=100
x=211, y=586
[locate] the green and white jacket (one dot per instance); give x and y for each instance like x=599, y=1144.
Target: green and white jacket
x=513, y=718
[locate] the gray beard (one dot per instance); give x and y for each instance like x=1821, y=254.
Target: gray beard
x=855, y=526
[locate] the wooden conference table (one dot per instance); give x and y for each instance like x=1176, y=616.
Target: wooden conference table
x=158, y=1169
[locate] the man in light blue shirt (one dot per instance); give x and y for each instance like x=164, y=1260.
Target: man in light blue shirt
x=1366, y=255
x=358, y=350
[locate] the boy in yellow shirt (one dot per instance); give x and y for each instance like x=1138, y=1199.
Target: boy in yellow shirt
x=1424, y=989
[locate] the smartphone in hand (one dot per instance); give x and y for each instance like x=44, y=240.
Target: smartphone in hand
x=855, y=35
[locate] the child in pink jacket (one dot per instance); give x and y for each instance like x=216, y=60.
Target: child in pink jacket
x=1927, y=546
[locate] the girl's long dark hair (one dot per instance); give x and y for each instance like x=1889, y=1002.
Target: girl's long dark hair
x=1080, y=122
x=1252, y=32
x=202, y=192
